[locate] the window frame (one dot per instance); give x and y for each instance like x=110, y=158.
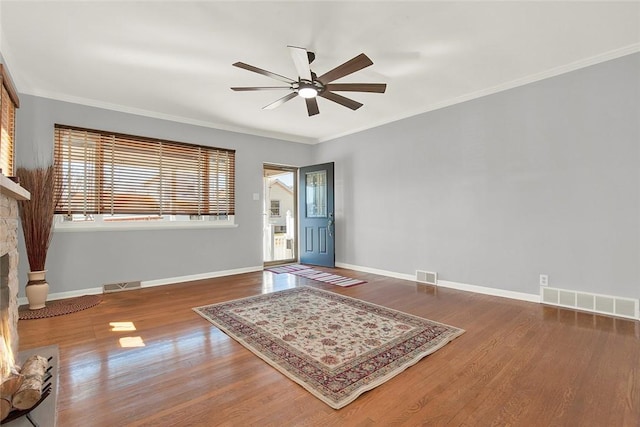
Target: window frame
x=7, y=116
x=210, y=201
x=277, y=207
x=99, y=224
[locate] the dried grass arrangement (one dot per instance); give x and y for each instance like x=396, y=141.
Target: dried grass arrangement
x=36, y=214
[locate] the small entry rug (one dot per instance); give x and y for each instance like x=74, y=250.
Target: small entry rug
x=334, y=346
x=321, y=276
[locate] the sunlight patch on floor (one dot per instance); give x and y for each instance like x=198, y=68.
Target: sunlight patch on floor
x=122, y=326
x=127, y=342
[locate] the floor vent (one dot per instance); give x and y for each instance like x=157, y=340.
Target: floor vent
x=427, y=277
x=122, y=286
x=596, y=303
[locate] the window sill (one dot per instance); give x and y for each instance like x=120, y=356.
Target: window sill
x=66, y=228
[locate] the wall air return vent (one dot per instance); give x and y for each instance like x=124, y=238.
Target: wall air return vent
x=121, y=286
x=428, y=277
x=602, y=304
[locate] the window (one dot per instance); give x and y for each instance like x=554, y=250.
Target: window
x=275, y=207
x=112, y=177
x=8, y=104
x=316, y=186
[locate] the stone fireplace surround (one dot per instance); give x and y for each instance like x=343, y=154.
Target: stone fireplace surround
x=10, y=193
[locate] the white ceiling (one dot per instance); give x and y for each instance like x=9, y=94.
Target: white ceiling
x=172, y=59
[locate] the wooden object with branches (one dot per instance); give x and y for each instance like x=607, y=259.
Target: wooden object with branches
x=36, y=216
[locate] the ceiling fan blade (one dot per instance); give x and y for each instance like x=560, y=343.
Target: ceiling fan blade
x=244, y=89
x=351, y=66
x=312, y=106
x=280, y=101
x=357, y=87
x=349, y=103
x=263, y=72
x=301, y=61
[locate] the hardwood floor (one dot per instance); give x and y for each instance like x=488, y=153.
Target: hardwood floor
x=518, y=363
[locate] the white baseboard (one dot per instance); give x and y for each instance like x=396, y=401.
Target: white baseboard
x=377, y=271
x=448, y=284
x=150, y=283
x=202, y=276
x=490, y=291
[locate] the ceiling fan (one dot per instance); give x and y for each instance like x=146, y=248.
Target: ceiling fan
x=309, y=85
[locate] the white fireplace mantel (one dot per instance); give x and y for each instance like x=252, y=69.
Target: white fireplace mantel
x=13, y=190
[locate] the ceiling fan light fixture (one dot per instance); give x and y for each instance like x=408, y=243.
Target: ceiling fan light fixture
x=308, y=92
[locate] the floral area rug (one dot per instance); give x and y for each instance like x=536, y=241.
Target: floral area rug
x=334, y=346
x=321, y=276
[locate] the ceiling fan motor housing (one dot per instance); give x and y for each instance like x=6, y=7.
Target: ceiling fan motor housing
x=308, y=84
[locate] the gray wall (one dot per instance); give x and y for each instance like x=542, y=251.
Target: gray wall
x=544, y=178
x=87, y=259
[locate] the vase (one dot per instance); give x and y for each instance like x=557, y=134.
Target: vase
x=37, y=289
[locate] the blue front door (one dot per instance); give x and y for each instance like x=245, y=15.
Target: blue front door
x=316, y=210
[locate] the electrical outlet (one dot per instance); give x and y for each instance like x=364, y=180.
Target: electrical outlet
x=544, y=280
